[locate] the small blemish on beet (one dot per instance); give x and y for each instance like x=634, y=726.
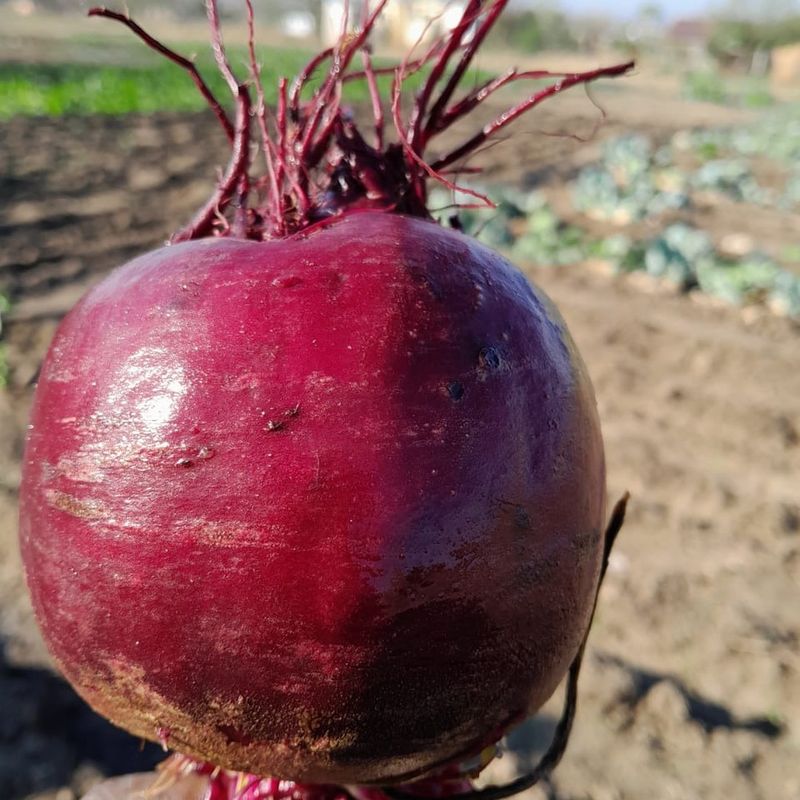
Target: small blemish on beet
x=83, y=509
x=288, y=281
x=336, y=280
x=489, y=358
x=522, y=519
x=234, y=735
x=184, y=462
x=455, y=390
x=280, y=423
x=423, y=279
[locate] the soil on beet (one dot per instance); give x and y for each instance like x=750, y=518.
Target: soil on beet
x=691, y=683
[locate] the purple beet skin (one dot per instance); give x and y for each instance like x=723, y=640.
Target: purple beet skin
x=326, y=507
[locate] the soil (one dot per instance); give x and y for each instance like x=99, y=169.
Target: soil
x=691, y=686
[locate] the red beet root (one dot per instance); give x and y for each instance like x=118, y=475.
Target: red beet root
x=325, y=506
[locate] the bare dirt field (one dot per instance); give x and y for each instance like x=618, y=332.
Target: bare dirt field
x=691, y=687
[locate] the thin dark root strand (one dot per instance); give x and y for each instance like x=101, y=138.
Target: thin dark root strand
x=577, y=137
x=558, y=746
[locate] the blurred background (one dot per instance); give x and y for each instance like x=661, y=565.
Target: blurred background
x=669, y=235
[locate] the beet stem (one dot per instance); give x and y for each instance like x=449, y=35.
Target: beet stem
x=178, y=59
x=202, y=224
x=512, y=114
x=302, y=78
x=461, y=68
x=453, y=43
x=375, y=97
x=341, y=60
x=418, y=185
x=481, y=93
x=360, y=75
x=317, y=165
x=218, y=47
x=262, y=113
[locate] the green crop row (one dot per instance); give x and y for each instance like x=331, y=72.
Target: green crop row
x=58, y=89
x=635, y=181
x=529, y=230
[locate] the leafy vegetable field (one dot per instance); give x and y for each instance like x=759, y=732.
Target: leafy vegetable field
x=637, y=181
x=58, y=89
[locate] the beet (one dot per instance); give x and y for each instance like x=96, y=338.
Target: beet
x=321, y=496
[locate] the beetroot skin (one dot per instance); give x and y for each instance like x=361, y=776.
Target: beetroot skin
x=316, y=492
x=327, y=507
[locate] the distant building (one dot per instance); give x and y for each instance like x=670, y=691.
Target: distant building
x=785, y=65
x=24, y=8
x=403, y=22
x=298, y=24
x=691, y=36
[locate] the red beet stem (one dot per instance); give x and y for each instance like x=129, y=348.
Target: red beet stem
x=453, y=43
x=317, y=163
x=458, y=73
x=202, y=224
x=178, y=59
x=509, y=116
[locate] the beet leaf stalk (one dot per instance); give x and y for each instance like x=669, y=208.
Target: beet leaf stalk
x=318, y=162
